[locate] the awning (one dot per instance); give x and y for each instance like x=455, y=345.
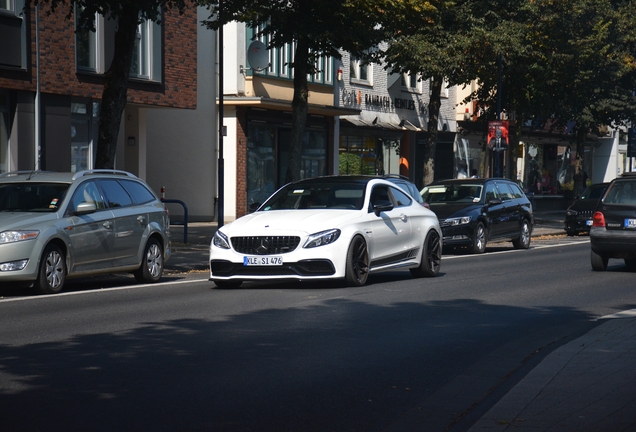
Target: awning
x=404, y=125
x=283, y=105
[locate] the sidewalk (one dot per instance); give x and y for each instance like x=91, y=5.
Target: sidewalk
x=588, y=384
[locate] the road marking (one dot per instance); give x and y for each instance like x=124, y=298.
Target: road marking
x=99, y=290
x=630, y=313
x=517, y=250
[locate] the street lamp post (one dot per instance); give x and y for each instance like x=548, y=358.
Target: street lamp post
x=220, y=167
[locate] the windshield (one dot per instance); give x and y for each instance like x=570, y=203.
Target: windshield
x=593, y=192
x=317, y=196
x=455, y=193
x=31, y=197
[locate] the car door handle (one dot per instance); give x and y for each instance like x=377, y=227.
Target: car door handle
x=141, y=219
x=108, y=224
x=403, y=217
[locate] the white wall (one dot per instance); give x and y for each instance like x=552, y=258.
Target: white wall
x=181, y=144
x=606, y=160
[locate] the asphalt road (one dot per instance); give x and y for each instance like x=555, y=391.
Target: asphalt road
x=398, y=354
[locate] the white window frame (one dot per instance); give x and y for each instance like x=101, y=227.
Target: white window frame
x=7, y=5
x=407, y=83
x=144, y=50
x=355, y=69
x=97, y=45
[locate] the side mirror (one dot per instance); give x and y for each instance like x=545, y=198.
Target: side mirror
x=254, y=206
x=494, y=201
x=382, y=206
x=86, y=208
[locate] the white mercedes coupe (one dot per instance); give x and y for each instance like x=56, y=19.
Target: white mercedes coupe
x=334, y=227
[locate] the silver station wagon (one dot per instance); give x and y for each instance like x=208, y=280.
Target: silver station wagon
x=54, y=226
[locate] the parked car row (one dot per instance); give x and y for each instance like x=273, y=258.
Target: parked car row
x=347, y=227
x=56, y=226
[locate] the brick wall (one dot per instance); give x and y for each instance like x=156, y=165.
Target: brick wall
x=57, y=62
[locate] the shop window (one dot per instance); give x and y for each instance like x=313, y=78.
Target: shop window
x=261, y=163
x=314, y=154
x=84, y=122
x=357, y=155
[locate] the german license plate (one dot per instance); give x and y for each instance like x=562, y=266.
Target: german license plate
x=630, y=223
x=262, y=260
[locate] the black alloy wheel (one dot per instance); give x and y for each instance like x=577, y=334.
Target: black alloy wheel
x=357, y=270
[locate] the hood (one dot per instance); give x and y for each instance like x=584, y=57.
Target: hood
x=584, y=204
x=448, y=210
x=24, y=220
x=277, y=222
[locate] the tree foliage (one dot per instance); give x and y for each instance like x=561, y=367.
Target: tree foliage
x=128, y=14
x=319, y=27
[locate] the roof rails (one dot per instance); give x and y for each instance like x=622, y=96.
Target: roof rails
x=102, y=171
x=628, y=174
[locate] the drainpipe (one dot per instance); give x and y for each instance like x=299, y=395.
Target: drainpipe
x=37, y=91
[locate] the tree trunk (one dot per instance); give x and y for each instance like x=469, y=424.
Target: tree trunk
x=433, y=121
x=581, y=135
x=114, y=92
x=300, y=109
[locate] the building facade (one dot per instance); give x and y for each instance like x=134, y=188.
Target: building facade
x=51, y=83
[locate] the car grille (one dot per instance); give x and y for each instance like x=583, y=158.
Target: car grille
x=301, y=268
x=265, y=245
x=585, y=214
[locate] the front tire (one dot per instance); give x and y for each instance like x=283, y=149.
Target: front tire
x=431, y=256
x=357, y=270
x=479, y=239
x=523, y=241
x=52, y=274
x=151, y=267
x=599, y=262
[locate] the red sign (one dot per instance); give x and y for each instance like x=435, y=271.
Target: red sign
x=498, y=135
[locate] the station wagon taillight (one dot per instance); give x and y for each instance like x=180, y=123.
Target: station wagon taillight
x=598, y=220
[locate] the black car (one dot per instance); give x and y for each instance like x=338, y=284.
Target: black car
x=578, y=217
x=473, y=212
x=613, y=231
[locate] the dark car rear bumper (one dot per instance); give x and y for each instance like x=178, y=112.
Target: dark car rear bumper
x=613, y=243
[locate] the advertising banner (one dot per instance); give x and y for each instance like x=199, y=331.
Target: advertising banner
x=498, y=135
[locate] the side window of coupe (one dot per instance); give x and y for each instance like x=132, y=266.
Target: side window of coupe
x=379, y=193
x=401, y=199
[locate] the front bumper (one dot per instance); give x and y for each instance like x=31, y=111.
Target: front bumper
x=460, y=235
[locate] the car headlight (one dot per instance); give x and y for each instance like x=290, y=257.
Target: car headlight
x=16, y=236
x=322, y=238
x=458, y=221
x=220, y=240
